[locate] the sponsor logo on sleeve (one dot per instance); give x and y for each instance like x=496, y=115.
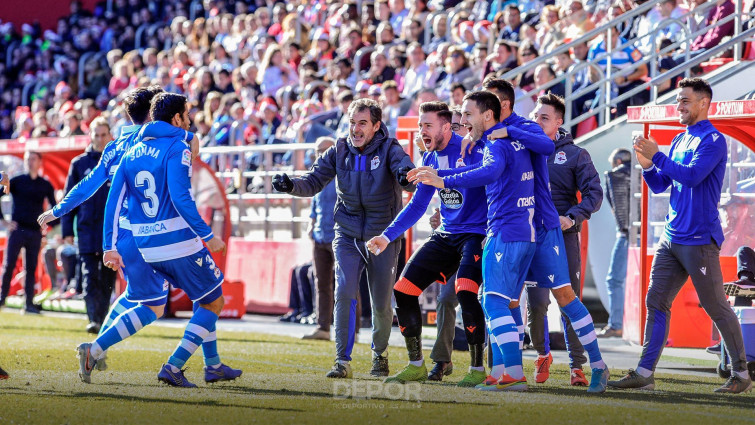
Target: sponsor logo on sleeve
x=186, y=158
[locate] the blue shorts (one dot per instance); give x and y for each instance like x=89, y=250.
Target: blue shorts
x=144, y=284
x=504, y=266
x=549, y=268
x=196, y=274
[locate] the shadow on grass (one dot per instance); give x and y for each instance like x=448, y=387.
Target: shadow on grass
x=332, y=396
x=659, y=396
x=141, y=399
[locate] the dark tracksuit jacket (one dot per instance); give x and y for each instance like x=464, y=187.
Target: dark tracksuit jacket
x=369, y=198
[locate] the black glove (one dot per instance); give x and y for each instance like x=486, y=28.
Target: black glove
x=282, y=183
x=401, y=175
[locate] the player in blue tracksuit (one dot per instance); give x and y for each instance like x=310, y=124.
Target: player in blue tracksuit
x=550, y=268
x=506, y=172
x=165, y=226
x=455, y=246
x=137, y=105
x=690, y=246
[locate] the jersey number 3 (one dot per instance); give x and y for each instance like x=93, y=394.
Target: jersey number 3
x=145, y=178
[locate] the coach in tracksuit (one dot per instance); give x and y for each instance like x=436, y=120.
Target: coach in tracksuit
x=694, y=170
x=97, y=280
x=370, y=170
x=570, y=170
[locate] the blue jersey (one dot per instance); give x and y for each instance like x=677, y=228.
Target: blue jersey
x=532, y=137
x=695, y=167
x=154, y=179
x=506, y=172
x=462, y=211
x=105, y=169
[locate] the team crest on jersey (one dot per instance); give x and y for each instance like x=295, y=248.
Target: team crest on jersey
x=451, y=198
x=560, y=157
x=375, y=162
x=186, y=158
x=460, y=163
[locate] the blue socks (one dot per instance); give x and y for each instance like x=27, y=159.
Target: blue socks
x=119, y=306
x=504, y=329
x=196, y=331
x=210, y=344
x=582, y=323
x=125, y=325
x=498, y=368
x=516, y=313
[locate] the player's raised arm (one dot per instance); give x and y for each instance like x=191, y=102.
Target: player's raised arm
x=83, y=190
x=115, y=199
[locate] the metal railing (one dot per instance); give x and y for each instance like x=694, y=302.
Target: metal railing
x=607, y=76
x=242, y=199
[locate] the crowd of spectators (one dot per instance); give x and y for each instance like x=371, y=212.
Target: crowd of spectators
x=279, y=72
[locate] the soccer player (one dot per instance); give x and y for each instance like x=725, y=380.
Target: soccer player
x=550, y=268
x=690, y=246
x=370, y=170
x=137, y=104
x=165, y=226
x=506, y=172
x=455, y=247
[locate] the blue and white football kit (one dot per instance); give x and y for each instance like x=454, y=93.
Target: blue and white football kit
x=163, y=218
x=137, y=269
x=506, y=172
x=549, y=267
x=154, y=180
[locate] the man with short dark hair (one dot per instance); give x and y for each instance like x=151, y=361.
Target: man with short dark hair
x=550, y=268
x=370, y=170
x=570, y=170
x=454, y=248
x=29, y=192
x=154, y=180
x=691, y=243
x=507, y=174
x=513, y=19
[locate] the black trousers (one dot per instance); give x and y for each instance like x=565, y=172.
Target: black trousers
x=30, y=240
x=97, y=284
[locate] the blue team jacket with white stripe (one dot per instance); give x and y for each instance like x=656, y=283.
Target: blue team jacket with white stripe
x=695, y=168
x=108, y=164
x=154, y=179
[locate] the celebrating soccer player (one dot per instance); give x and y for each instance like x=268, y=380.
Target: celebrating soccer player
x=455, y=247
x=506, y=172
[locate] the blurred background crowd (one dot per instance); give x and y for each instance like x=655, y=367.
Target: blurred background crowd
x=261, y=72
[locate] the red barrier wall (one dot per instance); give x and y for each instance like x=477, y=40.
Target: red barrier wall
x=265, y=269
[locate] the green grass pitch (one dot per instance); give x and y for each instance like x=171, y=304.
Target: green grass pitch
x=284, y=382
